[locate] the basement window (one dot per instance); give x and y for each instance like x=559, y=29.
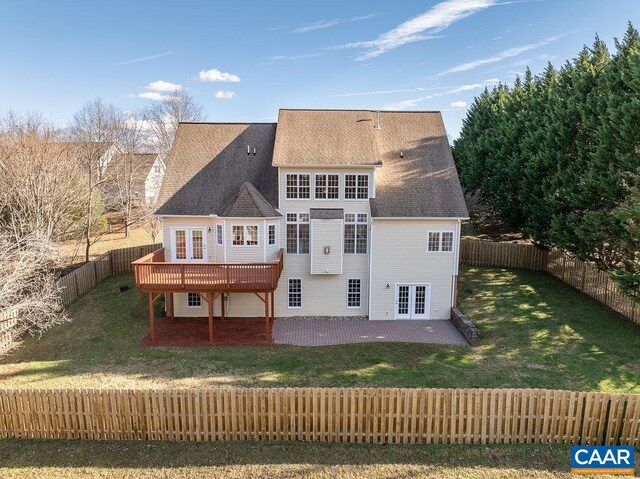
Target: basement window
x=194, y=300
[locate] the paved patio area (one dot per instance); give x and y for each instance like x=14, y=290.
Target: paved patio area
x=327, y=332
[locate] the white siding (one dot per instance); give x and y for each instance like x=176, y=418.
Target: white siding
x=168, y=223
x=399, y=255
x=326, y=233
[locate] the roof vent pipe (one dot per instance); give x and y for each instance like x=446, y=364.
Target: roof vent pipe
x=248, y=150
x=254, y=152
x=377, y=120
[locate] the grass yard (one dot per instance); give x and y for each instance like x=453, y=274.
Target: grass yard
x=536, y=332
x=72, y=459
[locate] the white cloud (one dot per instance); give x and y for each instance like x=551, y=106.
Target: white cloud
x=422, y=27
x=216, y=75
x=225, y=95
x=144, y=59
x=293, y=57
x=402, y=105
x=163, y=86
x=149, y=95
x=511, y=52
x=458, y=104
x=322, y=24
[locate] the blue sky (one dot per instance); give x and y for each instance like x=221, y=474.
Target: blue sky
x=242, y=60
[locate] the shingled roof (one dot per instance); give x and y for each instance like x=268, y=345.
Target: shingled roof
x=208, y=163
x=418, y=177
x=326, y=137
x=248, y=202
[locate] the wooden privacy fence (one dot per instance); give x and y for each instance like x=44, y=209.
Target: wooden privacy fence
x=116, y=261
x=454, y=416
x=8, y=320
x=582, y=275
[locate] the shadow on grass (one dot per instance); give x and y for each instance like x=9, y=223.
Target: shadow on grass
x=130, y=454
x=536, y=332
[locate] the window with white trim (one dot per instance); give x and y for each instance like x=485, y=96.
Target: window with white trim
x=295, y=293
x=354, y=293
x=356, y=187
x=297, y=233
x=272, y=235
x=440, y=241
x=194, y=300
x=327, y=187
x=245, y=235
x=298, y=186
x=356, y=230
x=219, y=234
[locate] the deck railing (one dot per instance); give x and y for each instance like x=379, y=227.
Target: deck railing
x=153, y=273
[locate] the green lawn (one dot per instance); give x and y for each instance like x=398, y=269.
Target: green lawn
x=72, y=459
x=536, y=332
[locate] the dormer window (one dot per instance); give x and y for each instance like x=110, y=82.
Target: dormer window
x=327, y=187
x=356, y=187
x=298, y=187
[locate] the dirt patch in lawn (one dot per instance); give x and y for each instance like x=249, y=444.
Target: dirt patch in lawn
x=194, y=332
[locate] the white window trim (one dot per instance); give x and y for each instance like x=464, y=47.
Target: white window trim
x=275, y=234
x=360, y=294
x=194, y=307
x=189, y=244
x=289, y=294
x=311, y=186
x=315, y=175
x=439, y=250
x=286, y=232
x=368, y=186
x=245, y=245
x=220, y=234
x=355, y=239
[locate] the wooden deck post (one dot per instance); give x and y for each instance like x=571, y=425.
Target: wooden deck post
x=210, y=305
x=152, y=321
x=170, y=309
x=273, y=306
x=222, y=306
x=267, y=325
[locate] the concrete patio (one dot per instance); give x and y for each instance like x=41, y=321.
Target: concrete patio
x=327, y=333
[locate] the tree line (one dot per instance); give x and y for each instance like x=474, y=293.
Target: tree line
x=557, y=156
x=57, y=184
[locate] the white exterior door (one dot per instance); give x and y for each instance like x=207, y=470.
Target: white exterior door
x=412, y=301
x=189, y=244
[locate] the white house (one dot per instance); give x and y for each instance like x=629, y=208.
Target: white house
x=365, y=206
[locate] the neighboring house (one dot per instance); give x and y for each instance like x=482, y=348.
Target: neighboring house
x=138, y=175
x=101, y=152
x=366, y=205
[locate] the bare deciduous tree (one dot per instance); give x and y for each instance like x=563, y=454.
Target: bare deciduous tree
x=40, y=184
x=163, y=116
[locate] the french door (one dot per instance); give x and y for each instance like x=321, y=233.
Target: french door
x=412, y=301
x=189, y=244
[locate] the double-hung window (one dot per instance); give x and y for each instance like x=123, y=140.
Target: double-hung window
x=245, y=235
x=327, y=187
x=219, y=234
x=356, y=229
x=272, y=235
x=440, y=241
x=295, y=293
x=298, y=187
x=194, y=300
x=354, y=293
x=297, y=233
x=356, y=187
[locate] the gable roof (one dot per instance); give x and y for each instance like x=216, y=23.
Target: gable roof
x=423, y=182
x=208, y=163
x=326, y=137
x=248, y=202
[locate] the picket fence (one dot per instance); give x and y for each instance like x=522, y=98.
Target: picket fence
x=583, y=276
x=8, y=320
x=375, y=415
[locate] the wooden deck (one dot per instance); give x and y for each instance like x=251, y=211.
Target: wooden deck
x=153, y=274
